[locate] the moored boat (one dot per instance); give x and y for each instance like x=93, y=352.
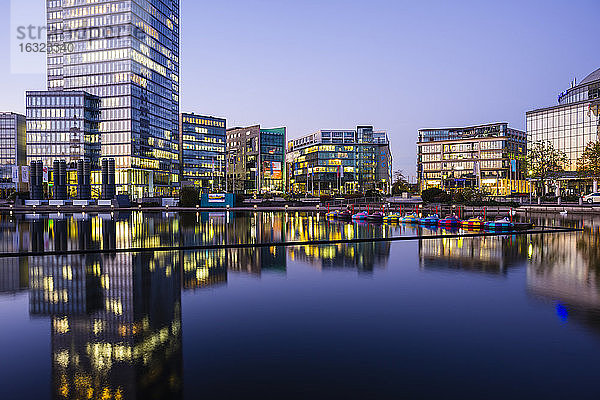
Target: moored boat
x=391, y=218
x=376, y=216
x=332, y=214
x=345, y=215
x=360, y=216
x=430, y=220
x=451, y=220
x=410, y=219
x=502, y=224
x=473, y=223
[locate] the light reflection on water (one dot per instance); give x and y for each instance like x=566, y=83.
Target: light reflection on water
x=61, y=232
x=117, y=323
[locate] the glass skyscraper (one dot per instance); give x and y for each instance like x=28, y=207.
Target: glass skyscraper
x=127, y=53
x=202, y=144
x=12, y=149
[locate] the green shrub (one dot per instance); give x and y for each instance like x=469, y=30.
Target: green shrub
x=435, y=195
x=373, y=193
x=468, y=196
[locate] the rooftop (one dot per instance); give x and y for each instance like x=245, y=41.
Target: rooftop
x=465, y=128
x=594, y=76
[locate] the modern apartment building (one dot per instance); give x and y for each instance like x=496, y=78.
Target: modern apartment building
x=12, y=149
x=256, y=159
x=127, y=53
x=340, y=162
x=569, y=126
x=202, y=151
x=490, y=158
x=63, y=125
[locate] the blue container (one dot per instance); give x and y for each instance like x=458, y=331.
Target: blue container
x=217, y=200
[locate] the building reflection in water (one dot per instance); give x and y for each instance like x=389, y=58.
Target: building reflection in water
x=565, y=269
x=126, y=230
x=115, y=321
x=360, y=256
x=256, y=260
x=14, y=275
x=488, y=254
x=204, y=268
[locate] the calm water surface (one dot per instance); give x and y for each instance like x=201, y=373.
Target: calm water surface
x=126, y=230
x=492, y=317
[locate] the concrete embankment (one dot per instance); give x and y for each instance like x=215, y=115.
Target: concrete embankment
x=555, y=209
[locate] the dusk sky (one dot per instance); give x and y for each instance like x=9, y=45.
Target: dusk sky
x=398, y=65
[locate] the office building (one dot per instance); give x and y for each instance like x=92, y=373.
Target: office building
x=255, y=160
x=569, y=126
x=340, y=162
x=12, y=149
x=63, y=125
x=202, y=152
x=127, y=53
x=488, y=158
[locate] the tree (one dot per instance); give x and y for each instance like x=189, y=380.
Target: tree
x=588, y=164
x=400, y=183
x=544, y=162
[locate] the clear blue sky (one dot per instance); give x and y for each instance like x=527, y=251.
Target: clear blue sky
x=399, y=65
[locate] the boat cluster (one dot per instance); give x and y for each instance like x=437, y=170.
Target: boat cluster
x=451, y=221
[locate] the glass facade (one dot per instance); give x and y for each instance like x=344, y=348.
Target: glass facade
x=256, y=159
x=572, y=124
x=340, y=162
x=588, y=89
x=127, y=53
x=490, y=158
x=569, y=128
x=272, y=160
x=12, y=149
x=63, y=126
x=202, y=144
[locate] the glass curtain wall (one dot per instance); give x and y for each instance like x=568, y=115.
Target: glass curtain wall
x=127, y=53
